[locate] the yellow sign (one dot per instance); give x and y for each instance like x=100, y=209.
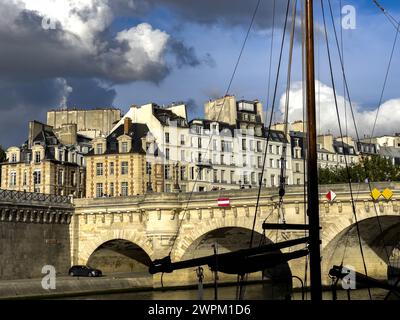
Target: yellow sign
x=387, y=194
x=375, y=194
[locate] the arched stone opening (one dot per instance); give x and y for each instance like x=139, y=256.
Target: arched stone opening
x=277, y=281
x=120, y=256
x=377, y=246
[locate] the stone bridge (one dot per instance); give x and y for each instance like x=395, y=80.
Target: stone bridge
x=125, y=234
x=34, y=232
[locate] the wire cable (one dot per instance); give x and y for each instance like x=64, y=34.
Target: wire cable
x=218, y=116
x=355, y=125
x=345, y=158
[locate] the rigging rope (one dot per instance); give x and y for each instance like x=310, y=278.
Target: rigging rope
x=241, y=292
x=341, y=135
x=355, y=126
x=218, y=116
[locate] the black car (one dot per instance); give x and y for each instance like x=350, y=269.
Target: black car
x=84, y=271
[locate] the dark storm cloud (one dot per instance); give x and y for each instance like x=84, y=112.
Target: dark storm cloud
x=24, y=101
x=227, y=12
x=87, y=93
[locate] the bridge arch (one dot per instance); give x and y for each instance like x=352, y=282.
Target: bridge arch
x=192, y=231
x=231, y=235
x=120, y=256
x=377, y=246
x=88, y=247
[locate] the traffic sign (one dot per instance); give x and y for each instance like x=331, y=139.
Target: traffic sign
x=331, y=196
x=223, y=202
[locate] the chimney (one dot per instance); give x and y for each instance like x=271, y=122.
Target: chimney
x=127, y=125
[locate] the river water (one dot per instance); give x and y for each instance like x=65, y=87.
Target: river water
x=252, y=292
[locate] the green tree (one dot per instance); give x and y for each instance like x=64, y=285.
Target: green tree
x=375, y=168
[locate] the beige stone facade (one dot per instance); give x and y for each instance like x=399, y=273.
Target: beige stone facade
x=45, y=176
x=121, y=175
x=92, y=123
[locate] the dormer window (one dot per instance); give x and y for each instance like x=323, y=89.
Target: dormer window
x=124, y=147
x=14, y=157
x=37, y=157
x=99, y=148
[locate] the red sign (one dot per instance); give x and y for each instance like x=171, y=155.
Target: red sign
x=331, y=196
x=223, y=202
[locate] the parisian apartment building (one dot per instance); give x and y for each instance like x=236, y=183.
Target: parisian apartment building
x=102, y=153
x=52, y=159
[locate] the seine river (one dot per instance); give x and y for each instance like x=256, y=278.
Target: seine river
x=253, y=292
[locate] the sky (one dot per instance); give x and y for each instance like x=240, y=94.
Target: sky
x=118, y=53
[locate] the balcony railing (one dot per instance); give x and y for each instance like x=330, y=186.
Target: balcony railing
x=12, y=195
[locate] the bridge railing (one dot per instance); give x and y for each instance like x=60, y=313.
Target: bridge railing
x=12, y=195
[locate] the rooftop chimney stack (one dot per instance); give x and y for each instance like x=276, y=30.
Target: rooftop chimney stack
x=127, y=125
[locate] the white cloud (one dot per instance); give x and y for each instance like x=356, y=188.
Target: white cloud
x=135, y=53
x=388, y=119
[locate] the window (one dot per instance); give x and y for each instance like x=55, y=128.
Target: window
x=259, y=149
x=167, y=153
x=297, y=167
x=222, y=159
x=244, y=160
x=192, y=173
x=271, y=163
x=99, y=169
x=167, y=187
x=278, y=149
x=272, y=180
x=167, y=172
x=183, y=187
x=124, y=189
x=124, y=167
x=111, y=168
x=73, y=178
x=259, y=178
x=214, y=145
x=14, y=157
x=37, y=157
x=244, y=144
x=99, y=190
x=37, y=177
x=215, y=176
x=148, y=168
x=167, y=137
x=222, y=176
x=271, y=150
x=253, y=178
x=199, y=143
x=182, y=155
x=124, y=147
x=182, y=140
x=183, y=173
x=25, y=179
x=298, y=181
x=60, y=177
x=99, y=148
x=232, y=177
x=13, y=178
x=112, y=191
x=251, y=145
x=260, y=162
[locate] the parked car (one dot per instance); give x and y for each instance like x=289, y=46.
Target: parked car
x=84, y=271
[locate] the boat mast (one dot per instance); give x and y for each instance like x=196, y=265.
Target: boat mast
x=312, y=166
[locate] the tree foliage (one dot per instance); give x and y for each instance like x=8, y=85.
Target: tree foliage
x=374, y=168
